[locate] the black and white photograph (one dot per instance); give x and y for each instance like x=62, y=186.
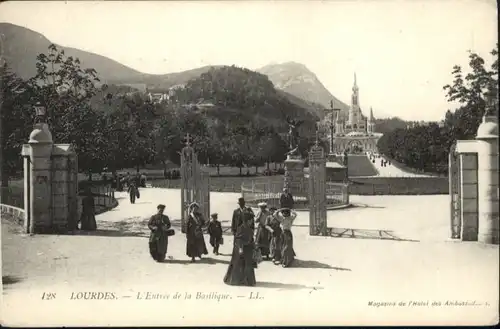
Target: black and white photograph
x=249, y=163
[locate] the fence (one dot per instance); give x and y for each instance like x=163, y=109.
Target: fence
x=254, y=192
x=14, y=213
x=104, y=198
x=399, y=186
x=217, y=184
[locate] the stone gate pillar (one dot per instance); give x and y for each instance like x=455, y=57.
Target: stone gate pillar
x=487, y=149
x=317, y=191
x=38, y=181
x=294, y=175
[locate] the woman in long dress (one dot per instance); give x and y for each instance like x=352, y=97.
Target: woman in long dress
x=159, y=224
x=286, y=218
x=195, y=245
x=276, y=237
x=87, y=219
x=263, y=234
x=241, y=270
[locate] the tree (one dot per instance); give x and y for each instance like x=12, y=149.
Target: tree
x=17, y=121
x=66, y=89
x=470, y=92
x=427, y=147
x=136, y=128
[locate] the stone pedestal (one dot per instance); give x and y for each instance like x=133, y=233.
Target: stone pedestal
x=487, y=148
x=294, y=175
x=50, y=184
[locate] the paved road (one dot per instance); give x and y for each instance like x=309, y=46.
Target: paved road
x=392, y=171
x=333, y=281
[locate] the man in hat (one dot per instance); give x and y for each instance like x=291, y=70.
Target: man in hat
x=239, y=215
x=286, y=199
x=159, y=224
x=263, y=235
x=215, y=232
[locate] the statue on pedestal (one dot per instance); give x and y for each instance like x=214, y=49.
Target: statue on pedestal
x=293, y=135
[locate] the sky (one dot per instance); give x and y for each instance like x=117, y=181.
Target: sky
x=401, y=51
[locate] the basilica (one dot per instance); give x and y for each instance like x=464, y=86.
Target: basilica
x=349, y=130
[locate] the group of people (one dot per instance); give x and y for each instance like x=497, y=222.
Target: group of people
x=267, y=234
x=383, y=162
x=160, y=227
x=273, y=239
x=121, y=182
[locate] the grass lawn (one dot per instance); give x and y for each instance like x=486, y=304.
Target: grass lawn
x=230, y=182
x=357, y=186
x=360, y=165
x=223, y=171
x=399, y=185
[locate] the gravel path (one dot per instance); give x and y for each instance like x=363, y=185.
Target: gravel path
x=333, y=282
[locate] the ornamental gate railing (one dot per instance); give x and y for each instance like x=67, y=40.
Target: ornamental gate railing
x=195, y=185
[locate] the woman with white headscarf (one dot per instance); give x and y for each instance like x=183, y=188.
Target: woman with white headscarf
x=195, y=245
x=286, y=217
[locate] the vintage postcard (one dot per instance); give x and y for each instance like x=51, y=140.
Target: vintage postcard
x=249, y=163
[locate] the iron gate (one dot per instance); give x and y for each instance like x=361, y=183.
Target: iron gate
x=195, y=185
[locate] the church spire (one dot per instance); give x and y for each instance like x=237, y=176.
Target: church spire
x=355, y=94
x=371, y=114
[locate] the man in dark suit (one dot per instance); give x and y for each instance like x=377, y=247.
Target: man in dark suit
x=286, y=199
x=238, y=215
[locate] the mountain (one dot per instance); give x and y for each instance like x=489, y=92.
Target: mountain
x=252, y=93
x=21, y=46
x=296, y=79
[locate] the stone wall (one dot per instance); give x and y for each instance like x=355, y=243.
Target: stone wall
x=469, y=196
x=104, y=200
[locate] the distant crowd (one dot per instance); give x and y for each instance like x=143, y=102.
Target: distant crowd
x=383, y=162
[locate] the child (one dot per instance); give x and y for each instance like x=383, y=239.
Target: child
x=215, y=231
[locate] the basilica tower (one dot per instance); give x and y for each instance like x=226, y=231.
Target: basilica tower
x=371, y=123
x=354, y=103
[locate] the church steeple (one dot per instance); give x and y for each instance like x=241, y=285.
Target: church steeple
x=370, y=125
x=355, y=95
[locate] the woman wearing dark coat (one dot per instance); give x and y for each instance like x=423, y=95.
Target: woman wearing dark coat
x=87, y=219
x=159, y=224
x=276, y=237
x=241, y=271
x=195, y=245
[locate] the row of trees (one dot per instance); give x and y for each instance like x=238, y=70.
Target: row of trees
x=426, y=148
x=124, y=130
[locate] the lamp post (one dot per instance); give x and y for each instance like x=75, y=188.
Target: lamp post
x=40, y=113
x=38, y=174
